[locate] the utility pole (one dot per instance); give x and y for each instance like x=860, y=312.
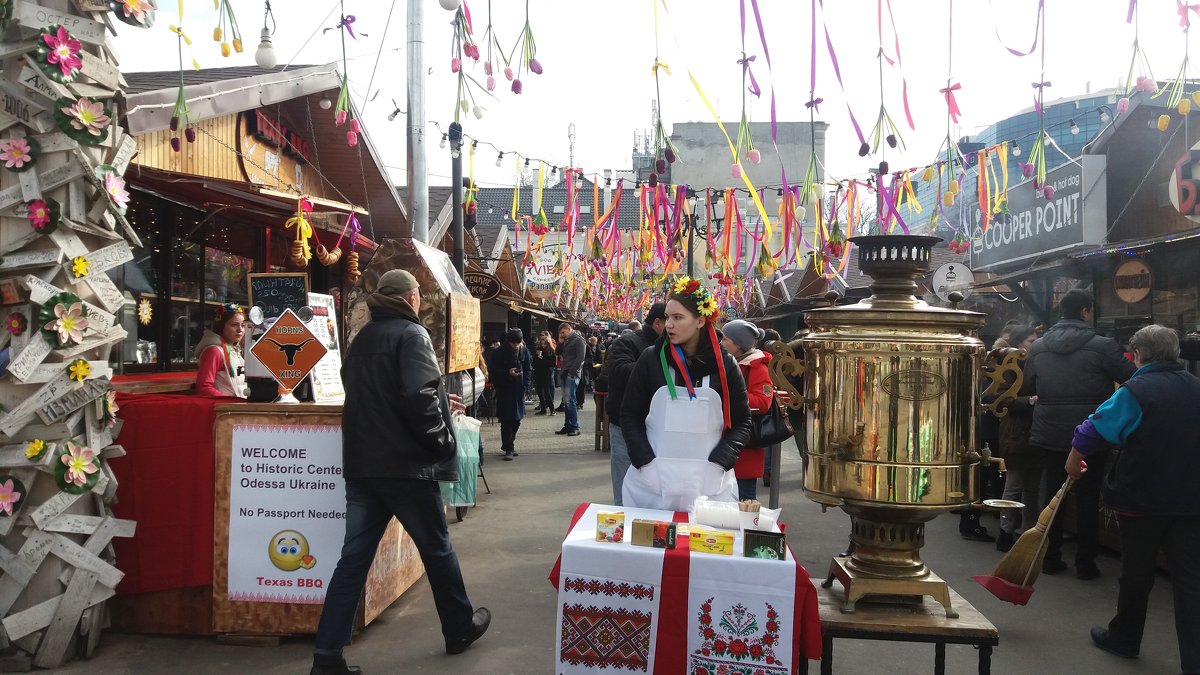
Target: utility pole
x=456, y=195
x=418, y=179
x=878, y=173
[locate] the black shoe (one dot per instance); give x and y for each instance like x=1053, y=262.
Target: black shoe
x=977, y=533
x=1103, y=640
x=1087, y=571
x=559, y=409
x=1004, y=542
x=334, y=669
x=480, y=621
x=573, y=432
x=515, y=453
x=1053, y=566
x=562, y=432
x=508, y=456
x=541, y=411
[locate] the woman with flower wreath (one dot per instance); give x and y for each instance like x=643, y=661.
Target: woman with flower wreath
x=222, y=369
x=685, y=416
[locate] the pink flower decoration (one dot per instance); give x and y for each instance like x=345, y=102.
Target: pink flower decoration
x=455, y=65
x=1048, y=191
x=64, y=51
x=87, y=115
x=114, y=185
x=1026, y=169
x=39, y=214
x=136, y=9
x=70, y=323
x=508, y=73
x=487, y=67
x=754, y=156
x=735, y=170
x=516, y=86
x=355, y=126
x=8, y=497
x=1122, y=105
x=340, y=118
x=15, y=153
x=351, y=138
x=80, y=463
x=1147, y=85
x=535, y=66
x=491, y=83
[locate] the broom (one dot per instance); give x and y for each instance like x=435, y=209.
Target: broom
x=1012, y=580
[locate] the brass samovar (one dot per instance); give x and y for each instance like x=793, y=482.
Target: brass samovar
x=891, y=388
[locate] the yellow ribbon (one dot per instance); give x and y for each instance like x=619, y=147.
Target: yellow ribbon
x=303, y=231
x=178, y=30
x=657, y=65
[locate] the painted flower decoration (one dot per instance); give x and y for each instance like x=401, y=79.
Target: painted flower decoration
x=145, y=312
x=35, y=449
x=87, y=115
x=70, y=323
x=80, y=266
x=136, y=9
x=39, y=215
x=9, y=496
x=79, y=370
x=15, y=153
x=114, y=185
x=80, y=463
x=16, y=323
x=707, y=306
x=64, y=51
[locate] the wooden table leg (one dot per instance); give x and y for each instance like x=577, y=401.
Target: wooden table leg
x=939, y=658
x=985, y=660
x=827, y=655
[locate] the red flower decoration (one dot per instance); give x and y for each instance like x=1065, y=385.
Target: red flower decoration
x=719, y=646
x=16, y=323
x=738, y=648
x=772, y=626
x=64, y=51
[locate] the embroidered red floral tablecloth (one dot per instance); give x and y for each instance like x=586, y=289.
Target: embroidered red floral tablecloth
x=624, y=608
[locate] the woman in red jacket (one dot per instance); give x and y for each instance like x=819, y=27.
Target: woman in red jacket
x=741, y=338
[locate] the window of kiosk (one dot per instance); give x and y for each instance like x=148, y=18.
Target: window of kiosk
x=140, y=281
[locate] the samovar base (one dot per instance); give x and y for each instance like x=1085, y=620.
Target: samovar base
x=859, y=586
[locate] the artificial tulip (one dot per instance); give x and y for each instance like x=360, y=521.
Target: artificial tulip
x=864, y=149
x=1122, y=105
x=351, y=138
x=670, y=155
x=953, y=186
x=508, y=74
x=340, y=118
x=1164, y=121
x=535, y=66
x=516, y=86
x=190, y=134
x=735, y=170
x=660, y=166
x=491, y=83
x=487, y=67
x=1149, y=86
x=1048, y=192
x=927, y=174
x=754, y=156
x=1026, y=169
x=948, y=199
x=354, y=126
x=478, y=112
x=455, y=65
x=1185, y=106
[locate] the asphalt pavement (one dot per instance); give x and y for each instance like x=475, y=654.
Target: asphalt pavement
x=508, y=543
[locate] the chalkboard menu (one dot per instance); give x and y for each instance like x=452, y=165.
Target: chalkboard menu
x=276, y=292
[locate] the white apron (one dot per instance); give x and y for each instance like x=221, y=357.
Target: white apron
x=682, y=433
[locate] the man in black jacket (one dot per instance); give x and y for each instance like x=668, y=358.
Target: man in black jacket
x=1072, y=370
x=618, y=365
x=397, y=442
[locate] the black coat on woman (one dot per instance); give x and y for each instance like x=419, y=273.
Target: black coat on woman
x=510, y=389
x=647, y=377
x=544, y=362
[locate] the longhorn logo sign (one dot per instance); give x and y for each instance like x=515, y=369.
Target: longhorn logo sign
x=289, y=350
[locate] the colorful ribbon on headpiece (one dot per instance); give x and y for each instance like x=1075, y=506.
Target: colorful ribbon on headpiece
x=951, y=102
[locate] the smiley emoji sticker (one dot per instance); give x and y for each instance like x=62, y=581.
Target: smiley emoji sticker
x=288, y=550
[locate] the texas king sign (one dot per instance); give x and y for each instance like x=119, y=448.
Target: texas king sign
x=1035, y=226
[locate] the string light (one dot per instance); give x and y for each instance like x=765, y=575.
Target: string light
x=1016, y=149
x=442, y=145
x=1074, y=128
x=499, y=158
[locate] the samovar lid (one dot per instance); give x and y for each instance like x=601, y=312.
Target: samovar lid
x=895, y=263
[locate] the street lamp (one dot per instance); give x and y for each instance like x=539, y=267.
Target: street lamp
x=695, y=227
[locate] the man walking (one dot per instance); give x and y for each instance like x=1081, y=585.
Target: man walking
x=574, y=352
x=397, y=443
x=1072, y=370
x=511, y=370
x=618, y=366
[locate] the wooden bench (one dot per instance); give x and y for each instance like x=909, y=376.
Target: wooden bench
x=923, y=621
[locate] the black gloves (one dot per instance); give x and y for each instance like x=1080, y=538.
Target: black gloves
x=724, y=455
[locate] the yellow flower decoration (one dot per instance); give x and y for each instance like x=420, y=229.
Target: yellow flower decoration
x=707, y=307
x=79, y=370
x=34, y=449
x=80, y=267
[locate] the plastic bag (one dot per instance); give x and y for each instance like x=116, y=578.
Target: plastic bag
x=466, y=434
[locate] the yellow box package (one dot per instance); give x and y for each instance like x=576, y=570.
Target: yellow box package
x=709, y=540
x=610, y=526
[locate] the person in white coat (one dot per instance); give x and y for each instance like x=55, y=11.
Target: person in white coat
x=685, y=416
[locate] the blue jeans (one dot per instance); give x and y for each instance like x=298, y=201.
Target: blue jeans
x=570, y=405
x=618, y=459
x=747, y=488
x=370, y=505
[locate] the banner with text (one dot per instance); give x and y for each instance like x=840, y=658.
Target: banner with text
x=287, y=512
x=1075, y=215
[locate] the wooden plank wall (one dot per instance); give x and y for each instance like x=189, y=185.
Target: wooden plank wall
x=212, y=155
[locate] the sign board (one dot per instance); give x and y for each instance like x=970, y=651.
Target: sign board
x=464, y=333
x=275, y=292
x=542, y=274
x=1036, y=226
x=287, y=512
x=327, y=375
x=483, y=285
x=952, y=277
x=1184, y=186
x=272, y=155
x=288, y=350
x=1132, y=281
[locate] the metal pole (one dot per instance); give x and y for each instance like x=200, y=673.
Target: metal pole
x=456, y=196
x=418, y=179
x=691, y=229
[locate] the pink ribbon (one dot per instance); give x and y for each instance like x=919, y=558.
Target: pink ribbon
x=1181, y=8
x=951, y=102
x=744, y=62
x=815, y=104
x=1037, y=100
x=347, y=23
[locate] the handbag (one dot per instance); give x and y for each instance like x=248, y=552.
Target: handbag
x=769, y=428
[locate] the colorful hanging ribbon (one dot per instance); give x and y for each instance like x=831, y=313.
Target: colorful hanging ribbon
x=304, y=230
x=951, y=102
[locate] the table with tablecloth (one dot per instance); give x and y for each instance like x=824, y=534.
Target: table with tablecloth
x=642, y=609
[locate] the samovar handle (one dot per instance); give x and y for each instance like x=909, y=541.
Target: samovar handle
x=785, y=366
x=1002, y=368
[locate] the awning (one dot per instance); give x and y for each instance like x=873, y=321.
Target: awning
x=518, y=307
x=1011, y=277
x=1121, y=247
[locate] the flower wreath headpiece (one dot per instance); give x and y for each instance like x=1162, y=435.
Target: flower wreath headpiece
x=229, y=308
x=706, y=304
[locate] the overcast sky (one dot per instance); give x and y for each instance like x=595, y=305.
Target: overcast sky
x=598, y=56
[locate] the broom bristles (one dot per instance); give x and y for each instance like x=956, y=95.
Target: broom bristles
x=1022, y=564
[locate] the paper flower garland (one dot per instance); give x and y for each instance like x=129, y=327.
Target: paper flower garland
x=145, y=311
x=137, y=13
x=11, y=492
x=16, y=323
x=79, y=370
x=63, y=320
x=86, y=121
x=43, y=215
x=61, y=56
x=35, y=449
x=18, y=154
x=76, y=471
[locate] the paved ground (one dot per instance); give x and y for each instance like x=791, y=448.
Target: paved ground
x=509, y=542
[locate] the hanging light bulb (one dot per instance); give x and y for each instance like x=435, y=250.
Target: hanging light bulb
x=265, y=56
x=499, y=158
x=442, y=144
x=1016, y=149
x=1104, y=116
x=1074, y=128
x=526, y=162
x=456, y=152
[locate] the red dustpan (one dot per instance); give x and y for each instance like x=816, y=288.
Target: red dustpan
x=1012, y=580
